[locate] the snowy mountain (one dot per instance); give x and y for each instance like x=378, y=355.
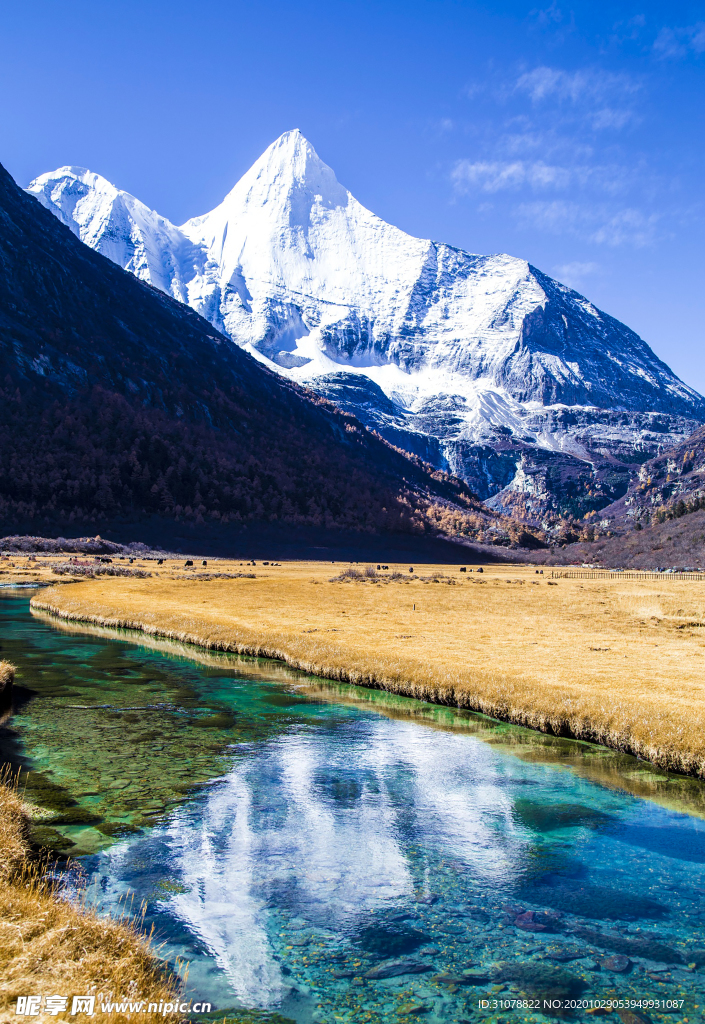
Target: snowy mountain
x=482, y=364
x=122, y=406
x=122, y=228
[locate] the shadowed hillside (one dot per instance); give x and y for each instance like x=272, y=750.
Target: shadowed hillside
x=117, y=403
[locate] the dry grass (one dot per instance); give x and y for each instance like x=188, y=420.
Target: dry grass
x=49, y=946
x=614, y=661
x=683, y=608
x=7, y=675
x=7, y=672
x=13, y=832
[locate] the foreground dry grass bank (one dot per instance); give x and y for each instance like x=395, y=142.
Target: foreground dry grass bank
x=618, y=662
x=49, y=947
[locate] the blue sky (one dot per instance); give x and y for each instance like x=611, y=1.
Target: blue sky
x=571, y=135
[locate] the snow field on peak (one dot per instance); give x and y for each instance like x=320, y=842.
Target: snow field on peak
x=119, y=226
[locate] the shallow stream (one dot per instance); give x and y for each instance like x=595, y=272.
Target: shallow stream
x=329, y=853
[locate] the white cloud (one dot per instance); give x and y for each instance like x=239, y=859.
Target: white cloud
x=554, y=20
x=494, y=176
x=576, y=86
x=609, y=117
x=574, y=274
x=629, y=30
x=564, y=177
x=541, y=82
x=557, y=215
x=547, y=142
x=502, y=175
x=629, y=226
x=548, y=15
x=602, y=97
x=598, y=224
x=679, y=42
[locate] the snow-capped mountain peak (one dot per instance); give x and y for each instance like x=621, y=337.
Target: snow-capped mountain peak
x=439, y=349
x=295, y=251
x=289, y=174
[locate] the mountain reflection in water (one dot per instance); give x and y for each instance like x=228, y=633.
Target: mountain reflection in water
x=337, y=853
x=320, y=826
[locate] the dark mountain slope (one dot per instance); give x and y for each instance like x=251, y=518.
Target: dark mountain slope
x=117, y=402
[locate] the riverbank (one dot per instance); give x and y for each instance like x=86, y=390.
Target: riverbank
x=49, y=947
x=617, y=662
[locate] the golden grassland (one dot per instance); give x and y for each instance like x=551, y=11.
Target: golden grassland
x=618, y=662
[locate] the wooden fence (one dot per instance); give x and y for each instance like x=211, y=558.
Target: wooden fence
x=597, y=574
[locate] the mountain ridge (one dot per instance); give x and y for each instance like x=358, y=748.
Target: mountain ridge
x=473, y=352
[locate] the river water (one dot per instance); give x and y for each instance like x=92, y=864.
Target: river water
x=321, y=852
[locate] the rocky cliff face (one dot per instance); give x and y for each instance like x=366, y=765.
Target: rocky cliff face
x=673, y=481
x=482, y=363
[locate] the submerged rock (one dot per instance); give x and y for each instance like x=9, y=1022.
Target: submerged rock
x=541, y=981
x=387, y=941
x=632, y=1017
x=244, y=1016
x=549, y=817
x=477, y=914
x=76, y=816
x=645, y=946
x=617, y=963
x=538, y=921
x=411, y=1007
x=221, y=720
x=7, y=675
x=476, y=975
x=564, y=955
x=118, y=829
x=451, y=929
x=396, y=968
x=596, y=901
x=50, y=839
x=450, y=978
x=588, y=964
x=40, y=789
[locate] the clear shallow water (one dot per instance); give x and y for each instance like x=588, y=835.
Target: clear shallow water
x=290, y=836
